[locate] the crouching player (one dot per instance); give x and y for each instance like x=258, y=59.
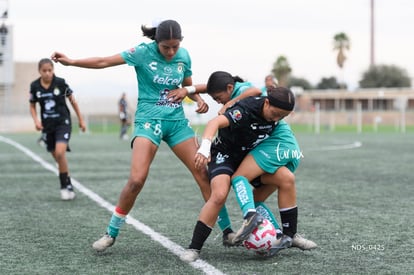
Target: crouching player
x=275, y=160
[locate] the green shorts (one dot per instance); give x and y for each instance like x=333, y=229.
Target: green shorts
x=172, y=132
x=280, y=149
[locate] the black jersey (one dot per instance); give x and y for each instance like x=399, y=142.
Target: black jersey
x=247, y=127
x=52, y=101
x=123, y=106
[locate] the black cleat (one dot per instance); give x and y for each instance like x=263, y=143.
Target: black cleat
x=247, y=228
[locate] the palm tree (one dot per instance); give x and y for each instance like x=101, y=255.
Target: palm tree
x=281, y=70
x=341, y=43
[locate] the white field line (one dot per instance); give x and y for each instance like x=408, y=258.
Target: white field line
x=354, y=145
x=164, y=241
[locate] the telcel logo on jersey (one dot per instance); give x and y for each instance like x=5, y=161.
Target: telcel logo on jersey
x=166, y=80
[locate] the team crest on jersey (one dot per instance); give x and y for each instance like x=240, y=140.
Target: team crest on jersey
x=236, y=115
x=56, y=91
x=38, y=94
x=131, y=50
x=180, y=67
x=147, y=125
x=167, y=70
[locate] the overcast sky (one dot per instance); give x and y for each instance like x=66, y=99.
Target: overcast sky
x=242, y=37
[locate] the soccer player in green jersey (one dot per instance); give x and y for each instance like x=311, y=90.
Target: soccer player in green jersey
x=161, y=66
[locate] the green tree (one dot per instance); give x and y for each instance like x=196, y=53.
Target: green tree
x=281, y=70
x=300, y=82
x=341, y=43
x=385, y=76
x=328, y=83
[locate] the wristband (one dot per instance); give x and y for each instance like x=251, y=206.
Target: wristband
x=205, y=147
x=190, y=89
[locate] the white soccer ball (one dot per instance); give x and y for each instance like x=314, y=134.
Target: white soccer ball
x=262, y=237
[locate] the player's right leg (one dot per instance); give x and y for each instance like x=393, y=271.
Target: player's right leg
x=143, y=153
x=185, y=151
x=220, y=187
x=66, y=188
x=244, y=196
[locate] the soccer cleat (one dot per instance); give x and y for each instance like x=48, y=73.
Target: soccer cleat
x=66, y=194
x=228, y=239
x=103, y=243
x=279, y=244
x=190, y=255
x=302, y=243
x=247, y=228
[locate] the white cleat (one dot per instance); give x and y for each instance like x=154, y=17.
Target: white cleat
x=190, y=255
x=67, y=195
x=302, y=243
x=103, y=243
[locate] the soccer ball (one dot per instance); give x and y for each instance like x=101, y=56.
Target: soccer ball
x=262, y=237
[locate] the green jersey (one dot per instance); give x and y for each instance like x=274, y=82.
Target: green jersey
x=239, y=88
x=156, y=77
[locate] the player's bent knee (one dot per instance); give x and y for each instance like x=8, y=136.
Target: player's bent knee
x=218, y=200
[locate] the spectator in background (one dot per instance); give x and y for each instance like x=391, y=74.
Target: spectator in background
x=270, y=81
x=124, y=117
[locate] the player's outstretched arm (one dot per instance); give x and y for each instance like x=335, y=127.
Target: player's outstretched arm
x=90, y=62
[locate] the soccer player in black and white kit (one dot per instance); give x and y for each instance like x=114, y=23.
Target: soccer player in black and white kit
x=124, y=117
x=51, y=92
x=240, y=129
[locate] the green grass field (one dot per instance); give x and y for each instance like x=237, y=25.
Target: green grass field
x=355, y=201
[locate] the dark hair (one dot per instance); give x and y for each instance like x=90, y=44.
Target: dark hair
x=44, y=61
x=281, y=97
x=218, y=81
x=166, y=30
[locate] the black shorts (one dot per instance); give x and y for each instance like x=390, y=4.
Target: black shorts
x=223, y=163
x=256, y=182
x=60, y=134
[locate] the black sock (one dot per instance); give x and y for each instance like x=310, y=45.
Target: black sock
x=200, y=235
x=227, y=231
x=69, y=184
x=63, y=177
x=289, y=221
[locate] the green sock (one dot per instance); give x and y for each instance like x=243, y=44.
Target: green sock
x=244, y=194
x=114, y=225
x=224, y=219
x=263, y=210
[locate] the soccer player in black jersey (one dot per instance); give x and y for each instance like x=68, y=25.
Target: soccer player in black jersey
x=123, y=117
x=240, y=129
x=51, y=92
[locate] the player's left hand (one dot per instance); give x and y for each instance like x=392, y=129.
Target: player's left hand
x=200, y=161
x=82, y=126
x=177, y=95
x=202, y=107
